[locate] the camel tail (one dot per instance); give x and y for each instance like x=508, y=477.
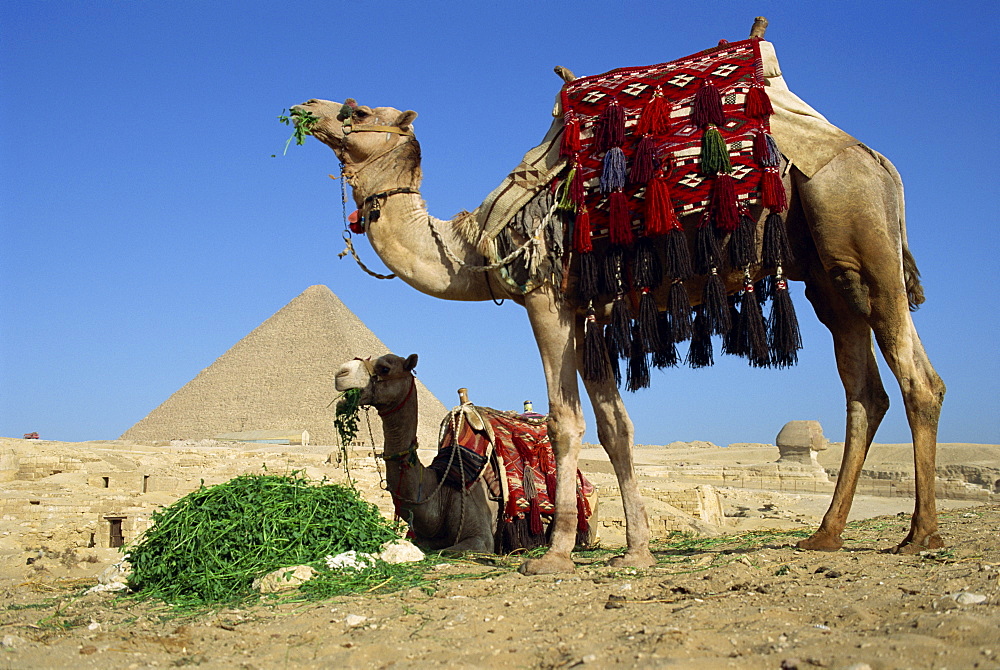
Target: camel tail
x=911, y=275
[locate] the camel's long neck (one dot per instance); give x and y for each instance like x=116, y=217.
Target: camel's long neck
x=403, y=236
x=408, y=480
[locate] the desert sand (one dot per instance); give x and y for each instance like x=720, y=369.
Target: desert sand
x=739, y=601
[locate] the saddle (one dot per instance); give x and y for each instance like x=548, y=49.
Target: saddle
x=512, y=454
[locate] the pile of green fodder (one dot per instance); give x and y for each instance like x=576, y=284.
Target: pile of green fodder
x=210, y=545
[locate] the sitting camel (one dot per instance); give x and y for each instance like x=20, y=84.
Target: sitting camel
x=441, y=518
x=454, y=504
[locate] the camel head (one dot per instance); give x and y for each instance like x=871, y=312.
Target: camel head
x=358, y=134
x=385, y=383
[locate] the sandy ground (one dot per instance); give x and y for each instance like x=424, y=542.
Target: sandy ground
x=737, y=601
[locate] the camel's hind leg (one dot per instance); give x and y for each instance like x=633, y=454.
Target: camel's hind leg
x=854, y=209
x=615, y=433
x=867, y=403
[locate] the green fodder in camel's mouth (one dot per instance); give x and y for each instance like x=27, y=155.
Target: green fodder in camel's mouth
x=347, y=416
x=302, y=123
x=210, y=545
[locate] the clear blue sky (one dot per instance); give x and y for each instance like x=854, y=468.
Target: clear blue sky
x=145, y=227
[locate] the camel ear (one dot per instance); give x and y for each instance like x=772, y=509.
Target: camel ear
x=411, y=362
x=406, y=119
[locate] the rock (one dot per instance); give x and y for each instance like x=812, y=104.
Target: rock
x=11, y=642
x=401, y=551
x=350, y=559
x=966, y=598
x=284, y=579
x=354, y=620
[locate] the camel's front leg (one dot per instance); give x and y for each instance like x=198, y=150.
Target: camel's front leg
x=553, y=324
x=615, y=433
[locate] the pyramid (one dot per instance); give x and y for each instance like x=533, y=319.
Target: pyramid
x=280, y=377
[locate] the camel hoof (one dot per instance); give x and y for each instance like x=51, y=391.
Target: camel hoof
x=633, y=559
x=547, y=565
x=821, y=542
x=910, y=547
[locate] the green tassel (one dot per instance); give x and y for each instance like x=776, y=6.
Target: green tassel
x=565, y=200
x=714, y=153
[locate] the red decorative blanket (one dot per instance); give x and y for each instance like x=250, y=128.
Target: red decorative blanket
x=515, y=458
x=694, y=128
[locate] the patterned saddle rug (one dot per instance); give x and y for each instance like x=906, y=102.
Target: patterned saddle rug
x=513, y=455
x=639, y=149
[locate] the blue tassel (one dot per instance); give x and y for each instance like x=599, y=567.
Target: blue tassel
x=615, y=170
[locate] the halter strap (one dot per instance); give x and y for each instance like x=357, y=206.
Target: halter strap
x=385, y=194
x=413, y=386
x=349, y=128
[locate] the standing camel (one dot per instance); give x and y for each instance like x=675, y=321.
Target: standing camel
x=845, y=223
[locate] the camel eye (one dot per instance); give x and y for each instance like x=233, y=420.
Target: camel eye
x=382, y=370
x=361, y=114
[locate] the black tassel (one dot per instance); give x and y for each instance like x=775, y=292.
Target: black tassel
x=776, y=250
x=647, y=268
x=716, y=307
x=707, y=254
x=613, y=355
x=646, y=324
x=614, y=271
x=619, y=331
x=677, y=260
x=751, y=330
x=731, y=340
x=764, y=289
x=783, y=336
x=678, y=313
x=589, y=286
x=596, y=365
x=743, y=244
x=700, y=353
x=665, y=355
x=638, y=367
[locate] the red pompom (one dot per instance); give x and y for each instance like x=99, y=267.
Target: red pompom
x=758, y=105
x=772, y=191
x=655, y=117
x=660, y=215
x=620, y=228
x=724, y=208
x=582, y=242
x=570, y=144
x=707, y=106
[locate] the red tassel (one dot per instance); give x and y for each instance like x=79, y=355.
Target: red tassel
x=582, y=242
x=570, y=143
x=655, y=117
x=764, y=150
x=707, y=106
x=644, y=161
x=535, y=517
x=772, y=191
x=758, y=105
x=610, y=130
x=550, y=487
x=582, y=526
x=577, y=189
x=724, y=208
x=660, y=215
x=620, y=228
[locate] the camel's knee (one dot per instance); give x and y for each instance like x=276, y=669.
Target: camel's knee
x=565, y=428
x=852, y=289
